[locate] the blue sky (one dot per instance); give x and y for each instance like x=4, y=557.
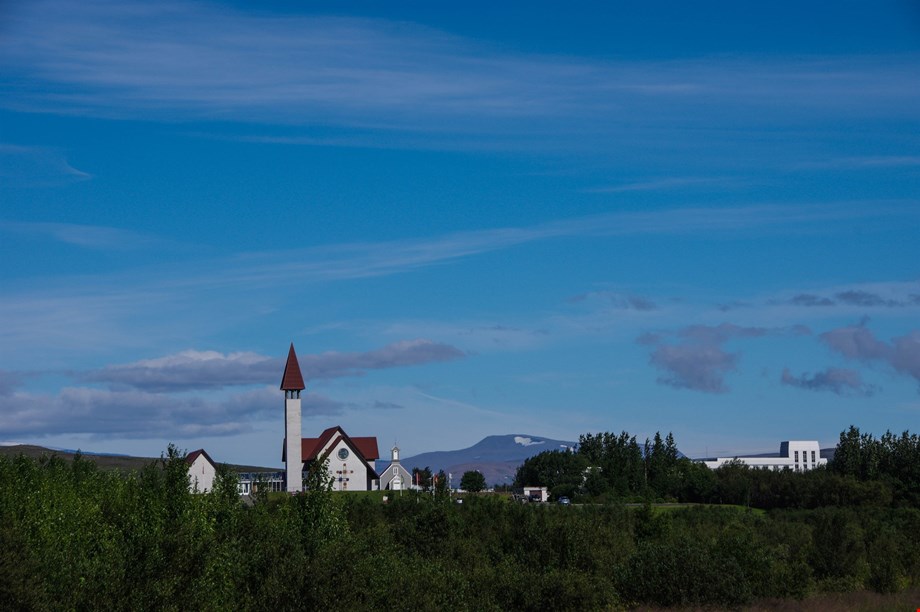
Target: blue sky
x=469, y=219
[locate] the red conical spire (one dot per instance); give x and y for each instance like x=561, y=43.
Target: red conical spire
x=292, y=379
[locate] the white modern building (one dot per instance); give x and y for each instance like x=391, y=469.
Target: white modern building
x=797, y=455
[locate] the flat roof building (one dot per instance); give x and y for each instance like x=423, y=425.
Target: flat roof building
x=797, y=455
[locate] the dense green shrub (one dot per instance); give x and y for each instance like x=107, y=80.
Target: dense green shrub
x=74, y=537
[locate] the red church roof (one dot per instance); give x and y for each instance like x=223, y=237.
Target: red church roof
x=310, y=447
x=190, y=458
x=292, y=379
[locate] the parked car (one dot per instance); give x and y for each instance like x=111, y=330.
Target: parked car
x=565, y=501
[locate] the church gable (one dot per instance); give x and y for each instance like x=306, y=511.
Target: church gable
x=395, y=477
x=350, y=463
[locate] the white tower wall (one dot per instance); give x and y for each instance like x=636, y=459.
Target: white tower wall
x=294, y=463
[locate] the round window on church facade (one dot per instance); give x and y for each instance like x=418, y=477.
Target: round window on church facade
x=343, y=454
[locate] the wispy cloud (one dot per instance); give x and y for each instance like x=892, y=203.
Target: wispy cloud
x=36, y=166
x=859, y=343
x=856, y=297
x=87, y=236
x=156, y=397
x=132, y=413
x=102, y=310
x=698, y=361
x=841, y=381
x=667, y=183
x=808, y=299
x=191, y=369
x=203, y=61
x=473, y=335
x=696, y=367
x=398, y=354
x=376, y=259
x=861, y=297
x=616, y=300
x=868, y=161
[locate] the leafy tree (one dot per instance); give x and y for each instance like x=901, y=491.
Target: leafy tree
x=839, y=550
x=892, y=459
x=735, y=483
x=697, y=483
x=595, y=482
x=422, y=477
x=441, y=486
x=552, y=469
x=661, y=465
x=318, y=477
x=620, y=460
x=75, y=537
x=886, y=574
x=473, y=481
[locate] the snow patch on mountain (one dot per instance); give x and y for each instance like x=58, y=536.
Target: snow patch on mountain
x=527, y=441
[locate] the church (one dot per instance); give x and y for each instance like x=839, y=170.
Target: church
x=395, y=477
x=351, y=460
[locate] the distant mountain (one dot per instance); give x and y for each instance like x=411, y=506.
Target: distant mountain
x=497, y=457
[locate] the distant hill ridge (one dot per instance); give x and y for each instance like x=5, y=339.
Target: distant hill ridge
x=497, y=457
x=104, y=461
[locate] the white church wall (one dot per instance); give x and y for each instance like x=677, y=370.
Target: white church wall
x=201, y=475
x=347, y=469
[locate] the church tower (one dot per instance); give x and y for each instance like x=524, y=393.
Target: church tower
x=292, y=385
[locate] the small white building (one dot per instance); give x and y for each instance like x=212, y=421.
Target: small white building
x=536, y=494
x=797, y=455
x=201, y=471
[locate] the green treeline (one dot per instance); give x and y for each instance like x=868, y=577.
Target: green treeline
x=73, y=537
x=866, y=471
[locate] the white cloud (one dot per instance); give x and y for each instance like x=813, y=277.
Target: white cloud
x=139, y=414
x=189, y=370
